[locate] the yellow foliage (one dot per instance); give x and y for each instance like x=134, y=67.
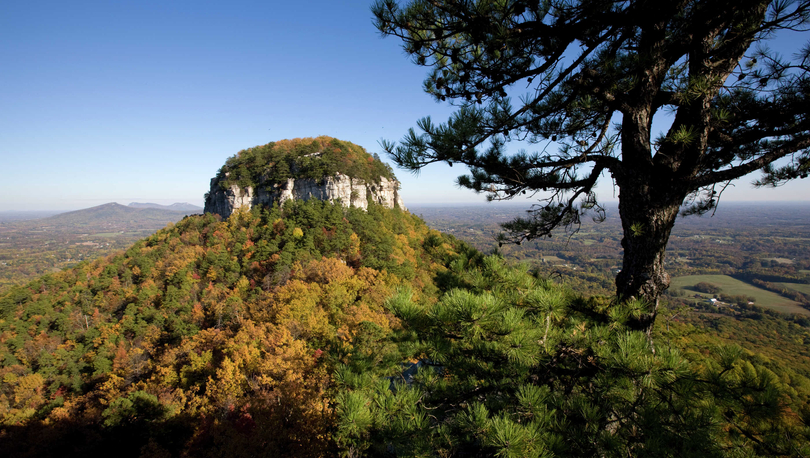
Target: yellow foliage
x=327, y=270
x=296, y=306
x=377, y=286
x=178, y=259
x=25, y=396
x=243, y=283
x=353, y=250
x=226, y=387
x=113, y=387
x=197, y=314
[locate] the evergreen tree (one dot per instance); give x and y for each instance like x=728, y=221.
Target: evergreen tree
x=596, y=73
x=514, y=366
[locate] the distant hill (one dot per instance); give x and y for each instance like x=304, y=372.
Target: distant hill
x=36, y=246
x=177, y=206
x=115, y=214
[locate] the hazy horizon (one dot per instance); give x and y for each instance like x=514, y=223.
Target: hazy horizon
x=437, y=204
x=133, y=102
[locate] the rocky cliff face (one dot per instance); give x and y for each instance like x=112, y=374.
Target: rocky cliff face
x=350, y=191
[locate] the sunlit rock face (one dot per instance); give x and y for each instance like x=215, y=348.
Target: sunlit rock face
x=322, y=168
x=349, y=191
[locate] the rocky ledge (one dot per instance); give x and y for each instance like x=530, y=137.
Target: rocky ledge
x=349, y=191
x=321, y=168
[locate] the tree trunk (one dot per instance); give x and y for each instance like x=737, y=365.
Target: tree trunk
x=648, y=213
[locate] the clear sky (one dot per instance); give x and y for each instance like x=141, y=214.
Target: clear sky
x=143, y=101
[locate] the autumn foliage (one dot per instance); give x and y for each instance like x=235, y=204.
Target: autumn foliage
x=320, y=330
x=314, y=158
x=210, y=338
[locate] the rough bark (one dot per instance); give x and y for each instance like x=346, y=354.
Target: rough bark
x=648, y=206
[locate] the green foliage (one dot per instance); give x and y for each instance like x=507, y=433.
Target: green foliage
x=313, y=329
x=212, y=329
x=314, y=158
x=705, y=287
x=512, y=365
x=138, y=406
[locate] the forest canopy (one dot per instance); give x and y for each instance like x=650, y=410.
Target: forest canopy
x=313, y=158
x=314, y=329
x=209, y=328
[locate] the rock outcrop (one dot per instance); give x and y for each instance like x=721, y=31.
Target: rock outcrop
x=349, y=191
x=321, y=168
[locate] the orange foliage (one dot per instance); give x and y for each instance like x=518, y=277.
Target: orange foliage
x=215, y=324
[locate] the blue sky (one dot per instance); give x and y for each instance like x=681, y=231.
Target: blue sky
x=143, y=101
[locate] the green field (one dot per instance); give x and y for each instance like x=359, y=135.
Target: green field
x=552, y=259
x=763, y=298
x=800, y=287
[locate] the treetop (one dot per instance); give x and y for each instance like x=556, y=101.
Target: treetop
x=314, y=158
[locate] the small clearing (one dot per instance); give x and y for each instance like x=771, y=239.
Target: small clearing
x=780, y=260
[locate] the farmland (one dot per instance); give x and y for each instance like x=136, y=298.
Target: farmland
x=800, y=287
x=732, y=286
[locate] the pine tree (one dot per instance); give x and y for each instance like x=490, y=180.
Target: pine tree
x=512, y=365
x=597, y=74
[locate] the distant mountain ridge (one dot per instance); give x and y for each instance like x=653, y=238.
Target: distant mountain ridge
x=114, y=214
x=177, y=206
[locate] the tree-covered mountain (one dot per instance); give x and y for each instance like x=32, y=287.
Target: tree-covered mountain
x=322, y=168
x=215, y=331
x=314, y=328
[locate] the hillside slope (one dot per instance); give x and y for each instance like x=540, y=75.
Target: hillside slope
x=315, y=327
x=293, y=332
x=208, y=327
